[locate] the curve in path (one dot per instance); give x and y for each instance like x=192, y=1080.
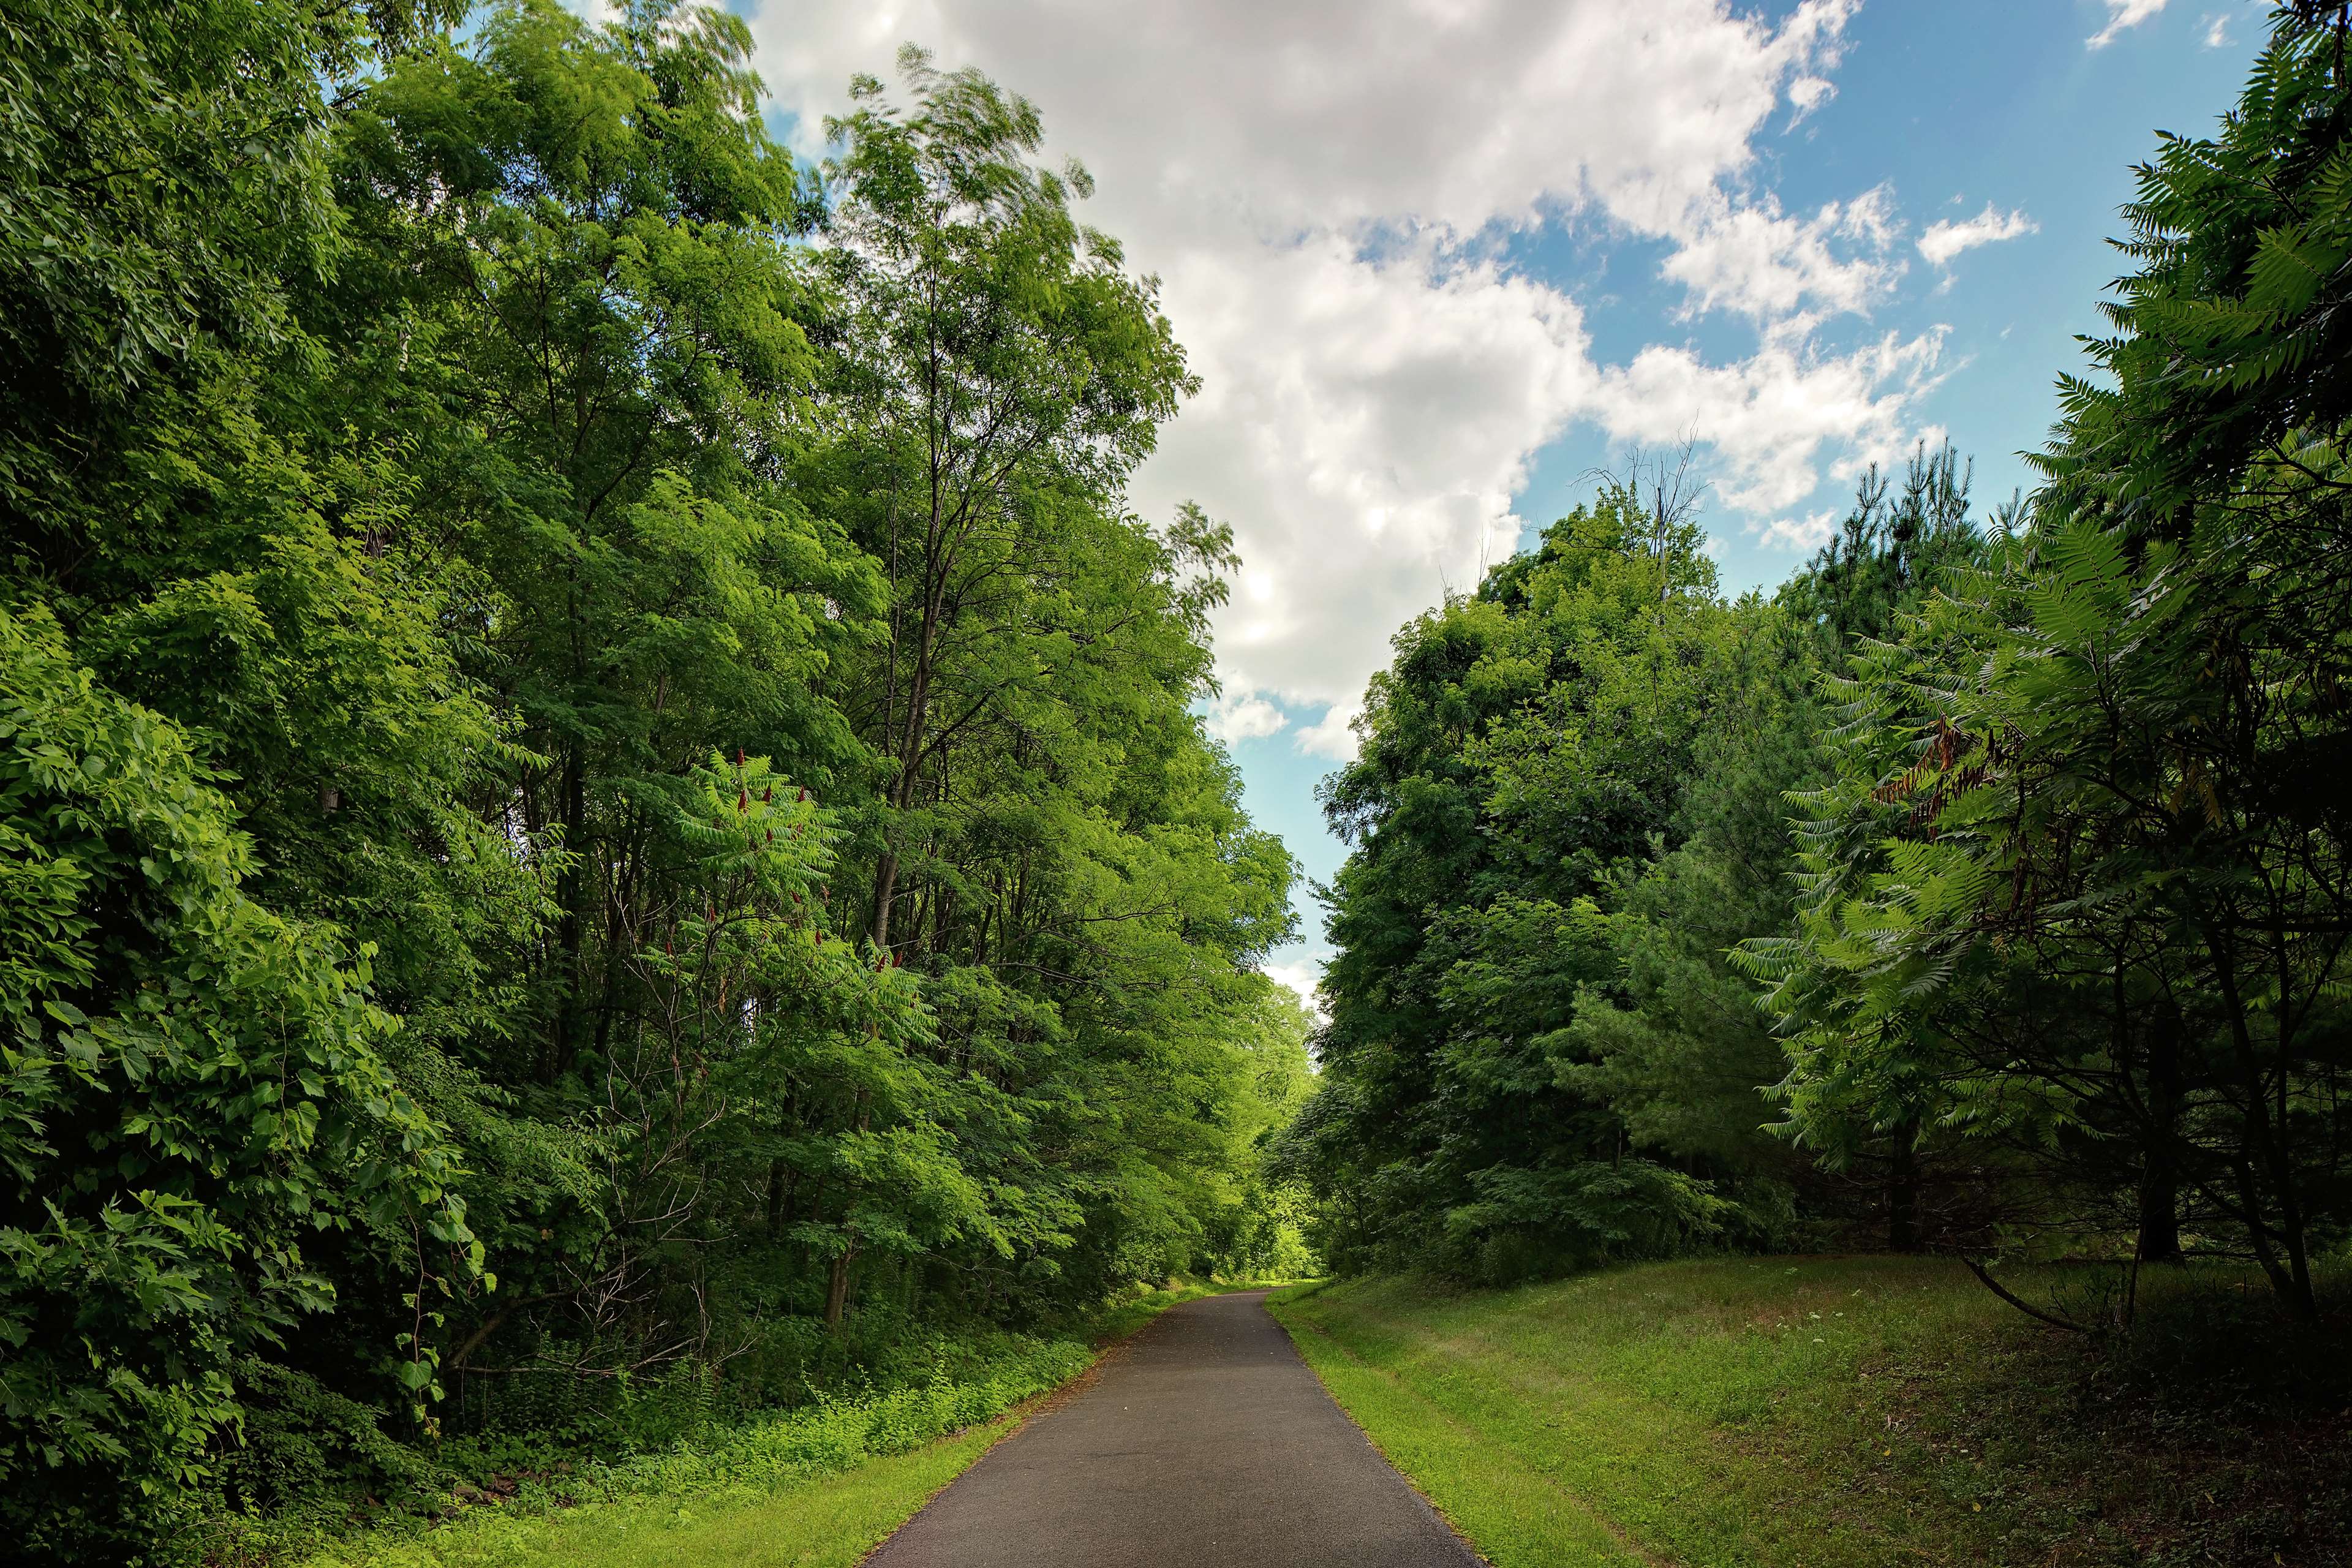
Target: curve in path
x=1206, y=1441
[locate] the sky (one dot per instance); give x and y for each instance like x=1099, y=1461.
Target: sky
x=1436, y=261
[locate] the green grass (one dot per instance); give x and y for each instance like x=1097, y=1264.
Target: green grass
x=1830, y=1413
x=828, y=1521
x=812, y=1486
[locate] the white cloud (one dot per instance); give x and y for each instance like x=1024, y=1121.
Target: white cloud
x=1801, y=534
x=1243, y=717
x=2121, y=14
x=1295, y=112
x=1944, y=238
x=1364, y=427
x=1320, y=187
x=1332, y=735
x=2217, y=30
x=1808, y=94
x=1769, y=417
x=1775, y=269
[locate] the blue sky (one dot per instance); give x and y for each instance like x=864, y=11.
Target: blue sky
x=1437, y=260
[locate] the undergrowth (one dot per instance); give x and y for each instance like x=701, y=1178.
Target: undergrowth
x=481, y=1498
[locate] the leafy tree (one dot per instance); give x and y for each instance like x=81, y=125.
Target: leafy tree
x=1887, y=553
x=1673, y=1040
x=192, y=1089
x=431, y=459
x=165, y=175
x=2079, y=884
x=1527, y=750
x=1054, y=846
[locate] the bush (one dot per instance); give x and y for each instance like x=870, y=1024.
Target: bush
x=192, y=1088
x=834, y=1433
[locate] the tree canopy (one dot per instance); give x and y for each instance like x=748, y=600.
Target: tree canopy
x=586, y=780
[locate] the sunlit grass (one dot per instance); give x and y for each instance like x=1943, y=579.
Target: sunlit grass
x=830, y=1521
x=1778, y=1413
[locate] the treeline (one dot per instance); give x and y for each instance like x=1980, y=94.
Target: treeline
x=2027, y=829
x=594, y=772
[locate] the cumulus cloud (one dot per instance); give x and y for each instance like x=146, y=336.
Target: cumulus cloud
x=1364, y=427
x=1945, y=238
x=1785, y=270
x=1802, y=534
x=1770, y=417
x=2123, y=15
x=1334, y=735
x=1243, y=718
x=1321, y=189
x=1289, y=111
x=2217, y=30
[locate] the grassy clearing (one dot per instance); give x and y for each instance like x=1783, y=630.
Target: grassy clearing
x=1833, y=1413
x=805, y=1488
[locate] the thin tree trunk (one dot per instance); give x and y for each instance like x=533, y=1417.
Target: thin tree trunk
x=836, y=1290
x=778, y=1197
x=2159, y=1185
x=1902, y=1189
x=572, y=923
x=2265, y=1144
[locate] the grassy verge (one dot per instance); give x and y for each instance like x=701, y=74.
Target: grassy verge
x=821, y=1521
x=1777, y=1413
x=811, y=1487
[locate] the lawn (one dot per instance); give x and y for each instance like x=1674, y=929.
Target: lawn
x=1844, y=1413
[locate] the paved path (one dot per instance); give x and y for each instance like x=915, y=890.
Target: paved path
x=1205, y=1442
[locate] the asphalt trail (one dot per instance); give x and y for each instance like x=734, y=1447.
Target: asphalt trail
x=1205, y=1442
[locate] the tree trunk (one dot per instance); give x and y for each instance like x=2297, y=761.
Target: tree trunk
x=836, y=1290
x=572, y=922
x=2160, y=1184
x=2265, y=1146
x=779, y=1198
x=1903, y=1190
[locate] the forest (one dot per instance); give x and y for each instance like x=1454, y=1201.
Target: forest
x=2027, y=822
x=606, y=828
x=595, y=776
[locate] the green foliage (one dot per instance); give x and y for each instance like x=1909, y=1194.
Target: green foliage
x=2075, y=886
x=603, y=828
x=549, y=854
x=708, y=1468
x=163, y=174
x=195, y=1088
x=1565, y=790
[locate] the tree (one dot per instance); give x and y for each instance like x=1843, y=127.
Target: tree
x=524, y=862
x=1522, y=758
x=2080, y=883
x=192, y=1089
x=1006, y=375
